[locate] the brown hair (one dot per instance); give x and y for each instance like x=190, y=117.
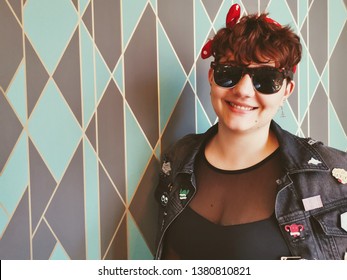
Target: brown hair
x=255, y=40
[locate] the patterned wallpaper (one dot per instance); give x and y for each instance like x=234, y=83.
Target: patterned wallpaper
x=91, y=93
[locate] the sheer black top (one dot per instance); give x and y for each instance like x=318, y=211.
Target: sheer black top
x=231, y=216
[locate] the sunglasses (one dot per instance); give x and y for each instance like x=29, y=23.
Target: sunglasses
x=266, y=80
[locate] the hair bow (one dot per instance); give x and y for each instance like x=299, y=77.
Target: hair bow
x=232, y=17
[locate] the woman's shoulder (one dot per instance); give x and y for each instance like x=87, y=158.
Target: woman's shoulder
x=331, y=153
x=325, y=150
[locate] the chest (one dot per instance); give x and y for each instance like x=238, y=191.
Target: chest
x=236, y=197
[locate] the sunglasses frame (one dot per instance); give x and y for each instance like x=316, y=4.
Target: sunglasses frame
x=287, y=74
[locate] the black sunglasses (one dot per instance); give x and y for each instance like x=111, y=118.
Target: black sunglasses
x=266, y=80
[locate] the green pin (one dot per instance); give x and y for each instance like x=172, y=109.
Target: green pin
x=183, y=194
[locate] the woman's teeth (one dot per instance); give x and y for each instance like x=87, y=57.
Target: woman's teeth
x=245, y=108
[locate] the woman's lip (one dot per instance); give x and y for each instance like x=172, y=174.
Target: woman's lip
x=239, y=106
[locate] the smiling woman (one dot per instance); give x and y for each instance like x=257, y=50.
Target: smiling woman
x=246, y=188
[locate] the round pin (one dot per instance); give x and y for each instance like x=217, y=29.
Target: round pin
x=164, y=199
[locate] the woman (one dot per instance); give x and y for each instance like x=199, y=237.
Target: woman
x=246, y=189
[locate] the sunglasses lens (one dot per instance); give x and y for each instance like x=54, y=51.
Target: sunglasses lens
x=227, y=76
x=267, y=80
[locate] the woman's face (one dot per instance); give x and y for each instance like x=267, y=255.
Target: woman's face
x=242, y=108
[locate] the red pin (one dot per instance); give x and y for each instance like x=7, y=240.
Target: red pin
x=294, y=229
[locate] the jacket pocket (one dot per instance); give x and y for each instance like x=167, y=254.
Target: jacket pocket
x=331, y=236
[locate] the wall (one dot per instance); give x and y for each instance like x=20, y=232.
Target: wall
x=91, y=92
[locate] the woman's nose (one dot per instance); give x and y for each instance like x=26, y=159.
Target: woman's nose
x=245, y=87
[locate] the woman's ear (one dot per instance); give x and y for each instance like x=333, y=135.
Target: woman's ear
x=210, y=76
x=289, y=89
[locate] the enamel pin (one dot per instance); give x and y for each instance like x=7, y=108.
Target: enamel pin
x=166, y=168
x=294, y=229
x=340, y=174
x=313, y=202
x=344, y=221
x=164, y=199
x=183, y=194
x=314, y=161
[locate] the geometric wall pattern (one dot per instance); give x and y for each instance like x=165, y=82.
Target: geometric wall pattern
x=91, y=93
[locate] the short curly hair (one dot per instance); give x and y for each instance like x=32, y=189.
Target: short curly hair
x=253, y=39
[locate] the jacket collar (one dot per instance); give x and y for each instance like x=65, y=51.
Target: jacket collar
x=298, y=154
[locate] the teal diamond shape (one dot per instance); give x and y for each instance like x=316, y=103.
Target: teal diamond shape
x=17, y=94
x=279, y=11
x=138, y=248
x=14, y=178
x=302, y=11
x=337, y=19
x=83, y=5
x=170, y=88
x=102, y=75
x=87, y=71
x=49, y=25
x=54, y=130
x=4, y=219
x=59, y=253
x=131, y=10
x=118, y=75
x=138, y=152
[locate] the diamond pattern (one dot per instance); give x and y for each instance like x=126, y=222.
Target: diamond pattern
x=67, y=77
x=65, y=214
x=145, y=104
x=169, y=89
x=42, y=19
x=106, y=22
x=103, y=87
x=11, y=51
x=11, y=129
x=36, y=76
x=48, y=125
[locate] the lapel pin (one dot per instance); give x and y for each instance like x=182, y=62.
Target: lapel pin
x=164, y=199
x=314, y=161
x=166, y=168
x=340, y=174
x=183, y=194
x=344, y=221
x=294, y=229
x=312, y=142
x=313, y=202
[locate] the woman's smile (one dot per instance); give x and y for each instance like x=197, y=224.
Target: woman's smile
x=240, y=107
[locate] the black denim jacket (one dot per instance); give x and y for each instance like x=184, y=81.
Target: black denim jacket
x=311, y=228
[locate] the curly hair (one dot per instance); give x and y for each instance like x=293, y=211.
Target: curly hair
x=255, y=40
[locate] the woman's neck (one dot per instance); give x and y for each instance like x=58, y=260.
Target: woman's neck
x=231, y=150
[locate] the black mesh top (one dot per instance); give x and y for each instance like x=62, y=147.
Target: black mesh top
x=231, y=216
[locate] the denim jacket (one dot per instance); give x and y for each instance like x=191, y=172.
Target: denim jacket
x=310, y=202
